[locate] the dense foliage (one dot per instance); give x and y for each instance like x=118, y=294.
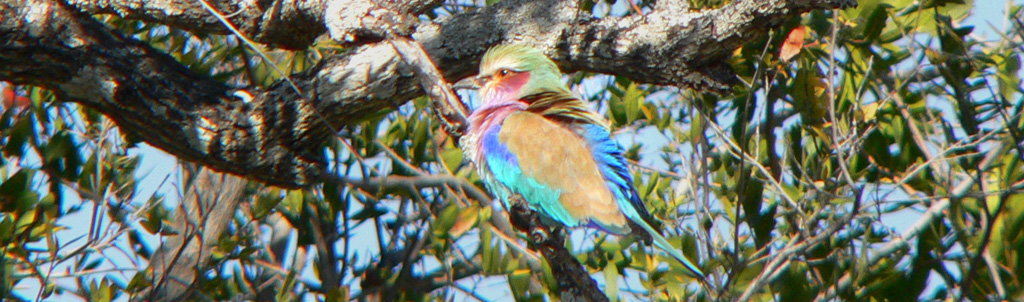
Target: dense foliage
x=871, y=153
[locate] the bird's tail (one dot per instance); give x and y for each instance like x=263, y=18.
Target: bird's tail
x=663, y=244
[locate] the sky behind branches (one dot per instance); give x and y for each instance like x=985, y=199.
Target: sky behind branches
x=158, y=174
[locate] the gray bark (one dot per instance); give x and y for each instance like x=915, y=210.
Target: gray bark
x=277, y=137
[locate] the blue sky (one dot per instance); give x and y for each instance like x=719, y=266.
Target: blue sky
x=988, y=19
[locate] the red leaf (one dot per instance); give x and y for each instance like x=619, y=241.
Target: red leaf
x=794, y=43
x=11, y=99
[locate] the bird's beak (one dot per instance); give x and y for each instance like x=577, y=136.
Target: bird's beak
x=473, y=83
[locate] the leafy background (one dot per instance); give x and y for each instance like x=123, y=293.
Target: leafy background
x=872, y=153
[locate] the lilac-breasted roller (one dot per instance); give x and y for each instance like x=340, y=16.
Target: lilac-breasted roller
x=530, y=136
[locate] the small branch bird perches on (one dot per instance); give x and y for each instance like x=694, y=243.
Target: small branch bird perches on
x=532, y=138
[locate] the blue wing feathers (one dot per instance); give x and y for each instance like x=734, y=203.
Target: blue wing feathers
x=615, y=170
x=608, y=154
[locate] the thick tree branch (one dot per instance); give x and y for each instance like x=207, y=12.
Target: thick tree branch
x=276, y=136
x=290, y=24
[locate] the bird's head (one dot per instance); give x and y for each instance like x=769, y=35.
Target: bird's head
x=510, y=72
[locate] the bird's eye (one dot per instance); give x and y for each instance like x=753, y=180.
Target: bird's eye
x=503, y=72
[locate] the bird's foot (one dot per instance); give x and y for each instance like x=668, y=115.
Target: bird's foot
x=521, y=217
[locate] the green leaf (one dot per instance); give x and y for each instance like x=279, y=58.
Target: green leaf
x=519, y=283
x=617, y=107
x=876, y=21
x=452, y=158
x=808, y=91
x=265, y=205
x=1009, y=75
x=633, y=99
x=15, y=186
x=445, y=220
x=611, y=280
x=19, y=135
x=467, y=219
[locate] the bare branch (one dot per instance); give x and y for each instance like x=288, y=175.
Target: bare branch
x=209, y=203
x=450, y=110
x=391, y=183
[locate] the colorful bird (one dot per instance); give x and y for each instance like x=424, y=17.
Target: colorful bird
x=530, y=136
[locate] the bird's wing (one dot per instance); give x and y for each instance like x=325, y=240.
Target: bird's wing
x=615, y=169
x=608, y=156
x=566, y=109
x=554, y=170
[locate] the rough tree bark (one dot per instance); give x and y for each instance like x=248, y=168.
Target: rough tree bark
x=277, y=135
